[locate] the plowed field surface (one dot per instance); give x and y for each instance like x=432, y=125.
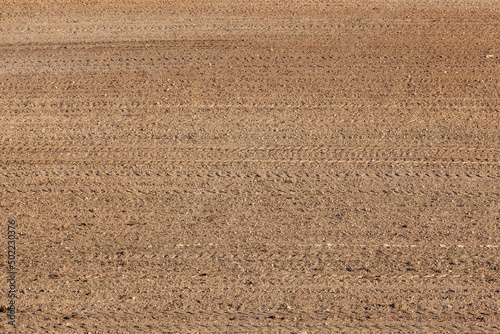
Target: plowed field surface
x=251, y=166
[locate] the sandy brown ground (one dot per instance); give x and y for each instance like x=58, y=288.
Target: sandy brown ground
x=251, y=166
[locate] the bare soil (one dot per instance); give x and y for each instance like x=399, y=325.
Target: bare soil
x=251, y=166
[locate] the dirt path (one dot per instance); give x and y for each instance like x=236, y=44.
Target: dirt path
x=252, y=166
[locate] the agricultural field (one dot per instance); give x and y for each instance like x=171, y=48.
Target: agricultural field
x=307, y=166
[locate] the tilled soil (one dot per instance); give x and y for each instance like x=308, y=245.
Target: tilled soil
x=251, y=166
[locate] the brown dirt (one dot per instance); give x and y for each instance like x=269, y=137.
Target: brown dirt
x=252, y=166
